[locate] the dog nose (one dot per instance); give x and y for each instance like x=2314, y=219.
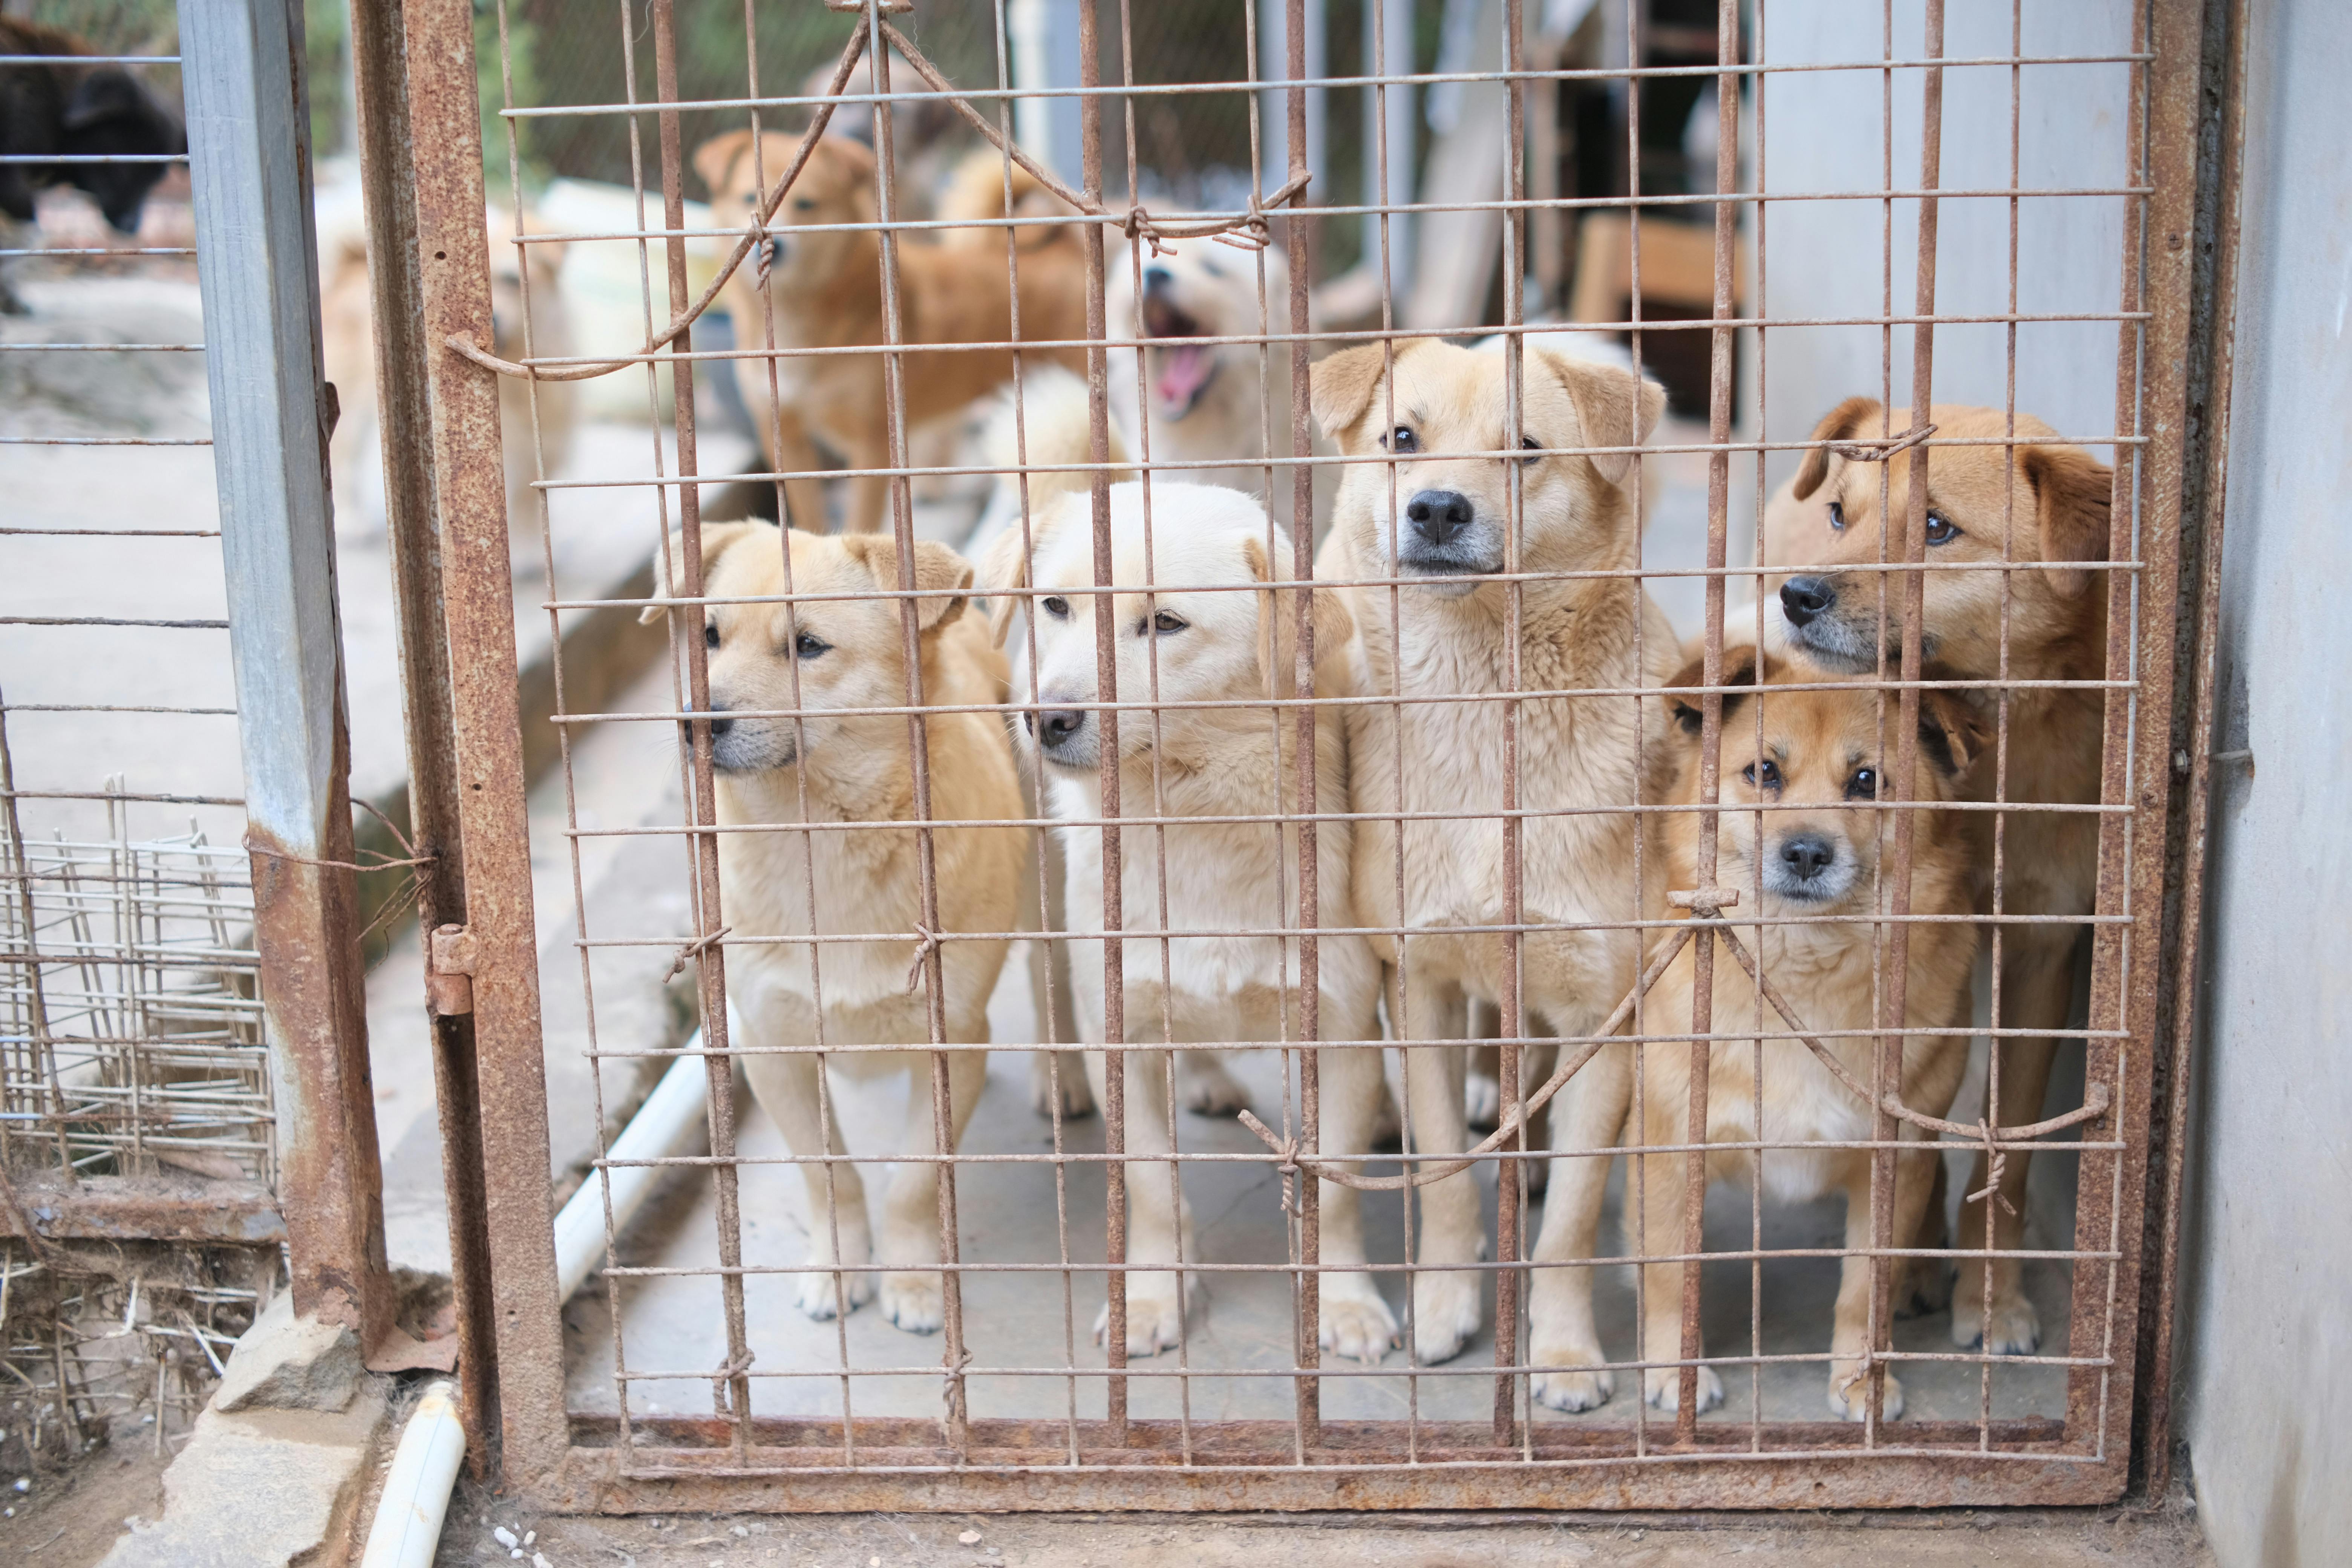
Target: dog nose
x=1804, y=599
x=1438, y=515
x=720, y=725
x=1807, y=854
x=1155, y=278
x=1058, y=725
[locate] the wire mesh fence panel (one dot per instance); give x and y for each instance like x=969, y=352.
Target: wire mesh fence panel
x=1458, y=747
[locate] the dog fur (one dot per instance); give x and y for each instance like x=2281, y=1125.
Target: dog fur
x=2051, y=502
x=1192, y=644
x=1815, y=746
x=347, y=350
x=826, y=292
x=849, y=653
x=1453, y=638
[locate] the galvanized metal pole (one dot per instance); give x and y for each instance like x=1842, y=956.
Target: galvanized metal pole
x=249, y=158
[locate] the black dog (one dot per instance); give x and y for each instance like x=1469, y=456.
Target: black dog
x=72, y=110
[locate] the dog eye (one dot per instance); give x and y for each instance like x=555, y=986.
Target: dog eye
x=1401, y=439
x=711, y=634
x=803, y=204
x=1940, y=530
x=1532, y=445
x=1765, y=775
x=1056, y=606
x=1863, y=786
x=1837, y=516
x=808, y=645
x=1168, y=621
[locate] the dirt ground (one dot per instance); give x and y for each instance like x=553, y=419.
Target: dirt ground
x=2166, y=1539
x=69, y=1520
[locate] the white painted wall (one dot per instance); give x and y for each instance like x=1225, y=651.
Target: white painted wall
x=1823, y=131
x=2267, y=1263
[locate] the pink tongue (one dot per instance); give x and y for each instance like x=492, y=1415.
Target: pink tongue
x=1185, y=368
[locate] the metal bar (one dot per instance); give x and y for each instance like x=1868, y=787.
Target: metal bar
x=249, y=134
x=1302, y=144
x=2160, y=263
x=388, y=189
x=2205, y=464
x=477, y=589
x=197, y=1213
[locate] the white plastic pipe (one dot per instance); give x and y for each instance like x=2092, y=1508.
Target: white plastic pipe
x=408, y=1527
x=671, y=1115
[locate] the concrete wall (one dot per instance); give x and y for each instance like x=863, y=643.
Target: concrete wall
x=1823, y=132
x=2268, y=1265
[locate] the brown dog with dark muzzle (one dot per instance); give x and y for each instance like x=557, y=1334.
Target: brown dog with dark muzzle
x=2043, y=507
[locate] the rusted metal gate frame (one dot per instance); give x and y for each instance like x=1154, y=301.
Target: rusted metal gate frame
x=417, y=87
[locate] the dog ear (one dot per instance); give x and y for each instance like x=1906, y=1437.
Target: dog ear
x=936, y=567
x=1605, y=400
x=1340, y=386
x=1840, y=423
x=1277, y=621
x=1952, y=731
x=715, y=158
x=2072, y=492
x=1004, y=570
x=1740, y=667
x=103, y=95
x=717, y=537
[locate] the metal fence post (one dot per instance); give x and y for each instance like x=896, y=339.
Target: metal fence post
x=248, y=144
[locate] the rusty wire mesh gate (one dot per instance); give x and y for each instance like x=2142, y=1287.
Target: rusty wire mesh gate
x=1122, y=1433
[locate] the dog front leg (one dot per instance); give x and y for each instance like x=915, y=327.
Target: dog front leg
x=1158, y=1218
x=913, y=1298
x=1660, y=1196
x=1354, y=1320
x=795, y=453
x=1589, y=1119
x=787, y=1088
x=1915, y=1178
x=1446, y=1305
x=2037, y=986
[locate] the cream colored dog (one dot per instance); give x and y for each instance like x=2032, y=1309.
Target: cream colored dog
x=1189, y=643
x=347, y=343
x=767, y=658
x=1452, y=635
x=1818, y=767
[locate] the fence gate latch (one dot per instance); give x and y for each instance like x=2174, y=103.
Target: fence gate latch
x=449, y=971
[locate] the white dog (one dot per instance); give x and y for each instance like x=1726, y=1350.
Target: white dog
x=1189, y=642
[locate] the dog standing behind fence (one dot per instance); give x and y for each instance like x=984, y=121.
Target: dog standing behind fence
x=1229, y=879
x=1820, y=755
x=1451, y=638
x=846, y=653
x=2051, y=502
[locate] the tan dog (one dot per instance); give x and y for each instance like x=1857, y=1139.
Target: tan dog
x=1449, y=520
x=827, y=288
x=848, y=654
x=1820, y=763
x=347, y=343
x=2052, y=502
x=1199, y=646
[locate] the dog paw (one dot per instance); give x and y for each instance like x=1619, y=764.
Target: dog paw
x=1357, y=1323
x=1444, y=1316
x=1922, y=1288
x=1568, y=1390
x=1154, y=1323
x=1207, y=1088
x=1850, y=1394
x=818, y=1298
x=1077, y=1097
x=916, y=1303
x=1663, y=1386
x=1482, y=1099
x=2014, y=1328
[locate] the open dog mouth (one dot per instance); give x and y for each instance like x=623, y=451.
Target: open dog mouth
x=1183, y=370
